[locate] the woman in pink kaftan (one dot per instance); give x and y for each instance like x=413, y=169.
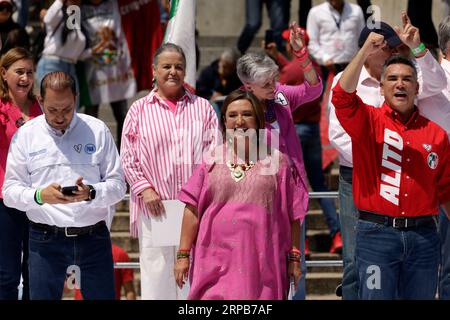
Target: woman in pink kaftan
x=240, y=226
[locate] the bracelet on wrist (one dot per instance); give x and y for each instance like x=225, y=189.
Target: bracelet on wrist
x=183, y=255
x=421, y=48
x=301, y=54
x=37, y=197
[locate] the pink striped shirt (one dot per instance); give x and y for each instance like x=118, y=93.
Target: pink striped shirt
x=160, y=148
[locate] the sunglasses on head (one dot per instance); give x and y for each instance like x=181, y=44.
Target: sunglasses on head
x=6, y=6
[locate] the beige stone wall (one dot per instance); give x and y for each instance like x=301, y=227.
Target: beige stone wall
x=227, y=17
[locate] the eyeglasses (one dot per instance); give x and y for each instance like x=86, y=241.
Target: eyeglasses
x=6, y=6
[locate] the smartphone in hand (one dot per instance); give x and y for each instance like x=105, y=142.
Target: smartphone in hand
x=69, y=191
x=269, y=38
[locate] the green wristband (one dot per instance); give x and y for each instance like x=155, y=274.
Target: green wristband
x=421, y=48
x=38, y=196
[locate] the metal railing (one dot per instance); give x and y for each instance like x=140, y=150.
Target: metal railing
x=309, y=263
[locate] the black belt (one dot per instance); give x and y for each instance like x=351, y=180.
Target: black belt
x=68, y=231
x=398, y=222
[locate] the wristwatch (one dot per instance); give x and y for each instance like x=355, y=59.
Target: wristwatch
x=92, y=192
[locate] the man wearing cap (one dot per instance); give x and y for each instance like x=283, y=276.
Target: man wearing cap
x=333, y=28
x=368, y=88
x=437, y=108
x=401, y=175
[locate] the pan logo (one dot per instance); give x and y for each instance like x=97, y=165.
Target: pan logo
x=89, y=148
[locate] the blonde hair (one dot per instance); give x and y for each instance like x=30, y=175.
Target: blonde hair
x=7, y=60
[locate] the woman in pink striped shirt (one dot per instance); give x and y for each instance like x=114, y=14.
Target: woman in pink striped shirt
x=165, y=134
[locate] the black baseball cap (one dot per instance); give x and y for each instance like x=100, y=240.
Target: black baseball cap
x=382, y=28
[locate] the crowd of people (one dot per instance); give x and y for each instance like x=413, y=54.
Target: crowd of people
x=239, y=155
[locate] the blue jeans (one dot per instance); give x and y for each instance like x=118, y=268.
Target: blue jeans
x=51, y=254
x=309, y=134
x=300, y=294
x=277, y=10
x=13, y=242
x=348, y=216
x=444, y=275
x=47, y=65
x=397, y=263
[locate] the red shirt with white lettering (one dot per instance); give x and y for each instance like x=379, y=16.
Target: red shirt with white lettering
x=399, y=170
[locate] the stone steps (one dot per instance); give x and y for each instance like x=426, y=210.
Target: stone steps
x=321, y=281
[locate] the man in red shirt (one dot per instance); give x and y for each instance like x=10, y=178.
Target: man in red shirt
x=401, y=174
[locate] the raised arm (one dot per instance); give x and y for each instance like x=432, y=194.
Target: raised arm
x=431, y=76
x=350, y=76
x=300, y=51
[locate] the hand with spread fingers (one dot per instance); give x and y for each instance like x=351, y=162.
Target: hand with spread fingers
x=297, y=37
x=409, y=34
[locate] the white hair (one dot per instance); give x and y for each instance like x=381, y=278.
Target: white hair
x=256, y=68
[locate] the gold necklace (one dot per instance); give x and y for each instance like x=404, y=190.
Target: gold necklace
x=238, y=170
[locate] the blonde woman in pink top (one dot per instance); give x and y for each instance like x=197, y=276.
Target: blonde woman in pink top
x=240, y=223
x=17, y=105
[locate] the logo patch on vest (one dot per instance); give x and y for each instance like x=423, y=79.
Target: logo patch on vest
x=281, y=99
x=78, y=147
x=89, y=148
x=427, y=147
x=432, y=160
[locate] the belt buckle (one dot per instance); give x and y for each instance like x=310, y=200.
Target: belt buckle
x=398, y=219
x=69, y=235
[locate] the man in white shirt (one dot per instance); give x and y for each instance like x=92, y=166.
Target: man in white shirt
x=437, y=108
x=333, y=29
x=369, y=90
x=68, y=233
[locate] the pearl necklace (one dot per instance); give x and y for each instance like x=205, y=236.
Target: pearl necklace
x=238, y=170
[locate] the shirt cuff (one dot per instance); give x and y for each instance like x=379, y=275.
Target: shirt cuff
x=28, y=196
x=140, y=186
x=342, y=98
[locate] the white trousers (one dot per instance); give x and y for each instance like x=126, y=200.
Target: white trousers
x=157, y=264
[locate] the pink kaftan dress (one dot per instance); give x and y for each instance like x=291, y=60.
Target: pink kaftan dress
x=244, y=233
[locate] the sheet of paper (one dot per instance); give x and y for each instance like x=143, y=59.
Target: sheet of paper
x=166, y=229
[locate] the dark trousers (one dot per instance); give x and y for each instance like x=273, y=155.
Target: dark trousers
x=277, y=10
x=13, y=242
x=53, y=256
x=444, y=274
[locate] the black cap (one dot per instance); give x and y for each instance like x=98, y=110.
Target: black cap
x=385, y=30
